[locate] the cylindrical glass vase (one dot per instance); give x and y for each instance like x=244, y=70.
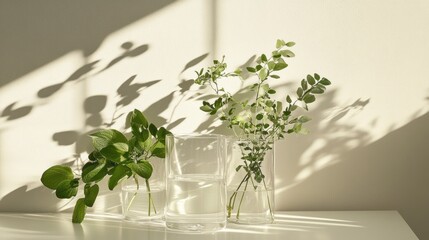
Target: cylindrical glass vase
x=144, y=200
x=250, y=182
x=196, y=189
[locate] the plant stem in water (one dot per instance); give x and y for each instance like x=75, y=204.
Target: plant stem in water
x=233, y=197
x=268, y=199
x=241, y=200
x=135, y=194
x=151, y=203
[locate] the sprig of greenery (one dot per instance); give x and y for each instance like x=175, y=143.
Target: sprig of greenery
x=114, y=155
x=260, y=120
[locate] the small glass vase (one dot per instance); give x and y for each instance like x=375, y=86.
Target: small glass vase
x=196, y=187
x=250, y=182
x=144, y=200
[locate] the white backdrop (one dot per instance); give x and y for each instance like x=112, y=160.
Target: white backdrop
x=69, y=68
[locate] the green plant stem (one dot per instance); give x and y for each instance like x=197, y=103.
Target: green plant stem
x=150, y=198
x=233, y=197
x=135, y=194
x=241, y=200
x=268, y=199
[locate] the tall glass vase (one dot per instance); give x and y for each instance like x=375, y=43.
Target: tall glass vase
x=196, y=190
x=144, y=200
x=250, y=182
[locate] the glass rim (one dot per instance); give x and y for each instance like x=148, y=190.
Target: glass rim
x=195, y=135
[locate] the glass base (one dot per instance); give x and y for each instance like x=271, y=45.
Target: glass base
x=196, y=227
x=144, y=219
x=251, y=219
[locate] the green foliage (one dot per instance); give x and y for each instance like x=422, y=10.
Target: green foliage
x=260, y=120
x=113, y=155
x=54, y=175
x=79, y=211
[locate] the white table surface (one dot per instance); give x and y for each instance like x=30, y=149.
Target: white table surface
x=326, y=225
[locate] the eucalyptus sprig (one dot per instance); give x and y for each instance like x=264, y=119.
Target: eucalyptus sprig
x=260, y=119
x=114, y=155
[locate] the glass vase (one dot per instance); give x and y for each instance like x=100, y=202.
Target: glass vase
x=250, y=182
x=144, y=200
x=196, y=187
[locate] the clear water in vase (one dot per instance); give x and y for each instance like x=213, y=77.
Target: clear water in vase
x=196, y=202
x=254, y=207
x=135, y=203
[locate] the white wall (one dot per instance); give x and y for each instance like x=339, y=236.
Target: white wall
x=63, y=72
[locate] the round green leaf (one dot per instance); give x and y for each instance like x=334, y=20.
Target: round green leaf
x=279, y=66
x=66, y=189
x=325, y=81
x=143, y=169
x=93, y=171
x=54, y=175
x=310, y=79
x=103, y=138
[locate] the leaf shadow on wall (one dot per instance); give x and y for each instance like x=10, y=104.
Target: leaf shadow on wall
x=83, y=73
x=130, y=90
x=350, y=172
x=92, y=107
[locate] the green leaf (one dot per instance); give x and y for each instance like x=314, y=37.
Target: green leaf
x=91, y=194
x=325, y=82
x=317, y=76
x=304, y=84
x=280, y=43
x=263, y=74
x=271, y=65
x=79, y=211
x=279, y=66
x=263, y=58
x=303, y=119
x=290, y=44
x=143, y=168
x=299, y=92
x=162, y=132
x=317, y=90
x=288, y=99
x=112, y=153
x=137, y=117
x=54, y=175
x=153, y=130
x=259, y=116
x=309, y=98
x=94, y=171
x=206, y=108
x=159, y=152
x=279, y=107
x=297, y=127
x=250, y=69
x=94, y=156
x=103, y=138
x=238, y=168
x=287, y=53
x=310, y=79
x=271, y=91
x=275, y=76
x=119, y=173
x=67, y=189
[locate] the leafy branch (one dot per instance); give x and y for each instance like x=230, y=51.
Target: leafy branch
x=114, y=155
x=260, y=120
